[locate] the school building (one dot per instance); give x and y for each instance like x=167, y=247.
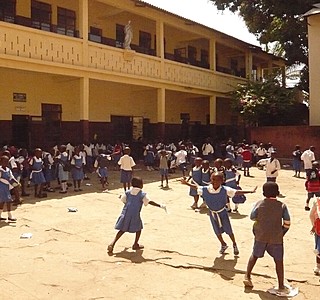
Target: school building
x=65, y=75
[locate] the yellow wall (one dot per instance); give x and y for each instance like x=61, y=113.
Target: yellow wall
x=314, y=68
x=40, y=88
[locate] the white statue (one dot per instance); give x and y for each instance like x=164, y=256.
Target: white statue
x=127, y=36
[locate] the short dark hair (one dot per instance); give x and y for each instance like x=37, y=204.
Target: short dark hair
x=270, y=189
x=137, y=182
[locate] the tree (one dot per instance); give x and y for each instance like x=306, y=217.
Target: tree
x=268, y=103
x=274, y=21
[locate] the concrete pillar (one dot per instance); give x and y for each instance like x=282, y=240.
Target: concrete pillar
x=84, y=29
x=84, y=108
x=212, y=54
x=249, y=65
x=213, y=109
x=160, y=39
x=161, y=112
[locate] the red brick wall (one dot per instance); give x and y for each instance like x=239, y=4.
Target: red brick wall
x=284, y=138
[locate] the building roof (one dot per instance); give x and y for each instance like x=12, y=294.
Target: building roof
x=313, y=11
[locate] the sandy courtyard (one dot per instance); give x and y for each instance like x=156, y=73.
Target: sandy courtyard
x=66, y=256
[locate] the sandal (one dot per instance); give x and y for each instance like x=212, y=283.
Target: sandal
x=247, y=282
x=110, y=249
x=137, y=247
x=223, y=249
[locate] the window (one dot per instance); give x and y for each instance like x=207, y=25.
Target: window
x=8, y=10
x=119, y=35
x=145, y=40
x=95, y=34
x=66, y=21
x=41, y=15
x=51, y=116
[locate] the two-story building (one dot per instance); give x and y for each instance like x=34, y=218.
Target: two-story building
x=65, y=75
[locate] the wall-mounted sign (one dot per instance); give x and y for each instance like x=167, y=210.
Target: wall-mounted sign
x=20, y=97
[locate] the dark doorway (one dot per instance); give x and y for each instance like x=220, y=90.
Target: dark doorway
x=20, y=131
x=51, y=118
x=121, y=128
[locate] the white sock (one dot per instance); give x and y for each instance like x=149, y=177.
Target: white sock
x=1, y=211
x=236, y=206
x=9, y=215
x=228, y=206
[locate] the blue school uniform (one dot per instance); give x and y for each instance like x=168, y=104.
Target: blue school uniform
x=130, y=220
x=6, y=177
x=48, y=168
x=37, y=176
x=77, y=167
x=231, y=181
x=196, y=174
x=216, y=202
x=101, y=163
x=206, y=174
x=63, y=160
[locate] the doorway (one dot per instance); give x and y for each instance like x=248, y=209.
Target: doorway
x=20, y=131
x=121, y=128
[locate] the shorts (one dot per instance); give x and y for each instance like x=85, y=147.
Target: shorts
x=125, y=176
x=274, y=250
x=313, y=194
x=183, y=166
x=164, y=172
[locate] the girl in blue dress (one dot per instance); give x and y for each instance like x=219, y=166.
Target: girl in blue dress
x=77, y=162
x=62, y=168
x=215, y=195
x=195, y=176
x=36, y=175
x=7, y=183
x=232, y=179
x=130, y=220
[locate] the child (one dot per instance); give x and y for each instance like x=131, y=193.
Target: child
x=63, y=168
x=218, y=165
x=206, y=172
x=181, y=159
x=77, y=163
x=126, y=164
x=296, y=163
x=196, y=176
x=232, y=179
x=48, y=169
x=164, y=166
x=247, y=159
x=36, y=175
x=215, y=196
x=101, y=165
x=130, y=220
x=7, y=182
x=315, y=221
x=271, y=222
x=312, y=183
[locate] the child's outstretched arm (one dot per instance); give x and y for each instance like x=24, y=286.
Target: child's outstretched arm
x=192, y=185
x=242, y=192
x=158, y=205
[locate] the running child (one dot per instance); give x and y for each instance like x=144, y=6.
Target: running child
x=312, y=183
x=130, y=220
x=215, y=195
x=101, y=165
x=315, y=221
x=164, y=166
x=195, y=176
x=36, y=175
x=126, y=164
x=7, y=183
x=271, y=222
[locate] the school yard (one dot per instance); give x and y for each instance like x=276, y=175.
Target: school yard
x=66, y=256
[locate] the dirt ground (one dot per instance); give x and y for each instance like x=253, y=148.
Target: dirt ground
x=66, y=256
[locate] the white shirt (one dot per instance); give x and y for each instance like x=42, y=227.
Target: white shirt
x=308, y=157
x=230, y=191
x=271, y=166
x=207, y=149
x=135, y=191
x=181, y=157
x=126, y=163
